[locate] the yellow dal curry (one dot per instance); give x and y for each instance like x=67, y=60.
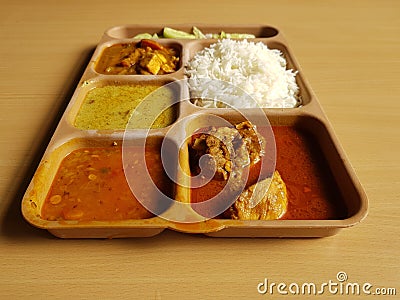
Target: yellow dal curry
x=110, y=107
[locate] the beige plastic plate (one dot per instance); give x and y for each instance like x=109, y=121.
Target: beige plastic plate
x=309, y=116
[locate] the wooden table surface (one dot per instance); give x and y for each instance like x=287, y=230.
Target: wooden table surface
x=349, y=52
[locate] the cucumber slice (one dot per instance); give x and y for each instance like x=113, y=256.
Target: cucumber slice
x=143, y=36
x=177, y=34
x=240, y=36
x=197, y=33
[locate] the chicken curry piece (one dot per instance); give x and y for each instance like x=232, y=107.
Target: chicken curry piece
x=232, y=150
x=264, y=200
x=146, y=57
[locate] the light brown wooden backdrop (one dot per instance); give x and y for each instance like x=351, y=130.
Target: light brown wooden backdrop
x=349, y=51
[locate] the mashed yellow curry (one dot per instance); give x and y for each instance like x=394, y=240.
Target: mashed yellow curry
x=110, y=107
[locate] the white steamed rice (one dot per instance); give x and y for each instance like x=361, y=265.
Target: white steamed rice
x=230, y=71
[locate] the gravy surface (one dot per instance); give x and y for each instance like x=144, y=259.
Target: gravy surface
x=91, y=185
x=312, y=191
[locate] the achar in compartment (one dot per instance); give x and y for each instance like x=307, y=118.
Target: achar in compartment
x=231, y=151
x=90, y=184
x=111, y=107
x=146, y=57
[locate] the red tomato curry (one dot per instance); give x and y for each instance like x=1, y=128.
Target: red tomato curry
x=312, y=191
x=91, y=185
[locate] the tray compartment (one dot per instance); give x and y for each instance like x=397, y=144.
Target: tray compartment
x=304, y=95
x=95, y=159
x=339, y=203
x=129, y=31
x=106, y=104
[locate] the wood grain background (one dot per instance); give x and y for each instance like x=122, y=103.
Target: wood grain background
x=349, y=52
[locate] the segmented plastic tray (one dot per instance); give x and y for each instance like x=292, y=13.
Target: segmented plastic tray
x=308, y=116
